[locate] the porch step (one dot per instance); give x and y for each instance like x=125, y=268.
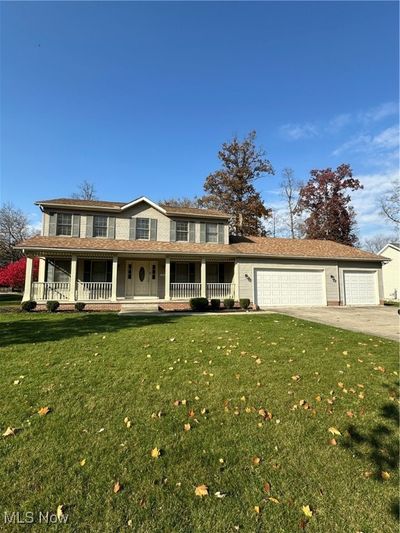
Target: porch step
x=133, y=308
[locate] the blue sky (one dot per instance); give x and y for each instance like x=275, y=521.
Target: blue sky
x=138, y=97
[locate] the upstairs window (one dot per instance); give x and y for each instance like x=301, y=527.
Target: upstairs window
x=143, y=228
x=64, y=224
x=182, y=231
x=212, y=233
x=99, y=226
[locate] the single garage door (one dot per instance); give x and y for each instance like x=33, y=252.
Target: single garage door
x=289, y=287
x=360, y=287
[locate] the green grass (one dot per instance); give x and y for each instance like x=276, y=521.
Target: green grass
x=93, y=370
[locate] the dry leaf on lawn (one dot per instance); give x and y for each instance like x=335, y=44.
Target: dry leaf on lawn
x=307, y=511
x=116, y=487
x=9, y=432
x=155, y=452
x=201, y=490
x=44, y=411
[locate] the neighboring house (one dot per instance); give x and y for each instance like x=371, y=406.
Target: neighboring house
x=100, y=252
x=391, y=271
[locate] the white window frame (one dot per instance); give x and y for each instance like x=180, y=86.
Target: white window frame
x=185, y=231
x=62, y=225
x=209, y=233
x=138, y=229
x=102, y=227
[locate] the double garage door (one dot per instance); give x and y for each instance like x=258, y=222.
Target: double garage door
x=289, y=287
x=306, y=287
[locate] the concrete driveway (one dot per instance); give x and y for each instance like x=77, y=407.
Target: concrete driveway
x=380, y=321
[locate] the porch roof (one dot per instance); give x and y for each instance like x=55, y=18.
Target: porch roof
x=243, y=247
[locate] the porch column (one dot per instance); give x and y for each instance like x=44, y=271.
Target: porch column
x=72, y=280
x=203, y=278
x=236, y=280
x=114, y=279
x=167, y=277
x=42, y=269
x=28, y=279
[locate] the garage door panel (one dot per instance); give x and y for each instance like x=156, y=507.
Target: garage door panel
x=276, y=287
x=360, y=287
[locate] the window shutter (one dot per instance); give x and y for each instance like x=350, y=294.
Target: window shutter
x=221, y=236
x=132, y=229
x=76, y=225
x=202, y=232
x=52, y=224
x=50, y=270
x=192, y=229
x=111, y=228
x=89, y=226
x=172, y=236
x=153, y=229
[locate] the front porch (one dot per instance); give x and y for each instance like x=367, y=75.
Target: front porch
x=130, y=279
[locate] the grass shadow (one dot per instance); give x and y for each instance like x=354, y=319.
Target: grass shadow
x=38, y=328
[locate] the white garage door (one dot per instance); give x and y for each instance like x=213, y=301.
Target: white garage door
x=360, y=288
x=289, y=287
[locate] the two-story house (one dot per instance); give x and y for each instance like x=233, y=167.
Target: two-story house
x=115, y=252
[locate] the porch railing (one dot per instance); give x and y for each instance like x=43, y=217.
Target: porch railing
x=185, y=291
x=93, y=290
x=220, y=290
x=55, y=290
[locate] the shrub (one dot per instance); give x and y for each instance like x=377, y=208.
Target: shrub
x=79, y=306
x=229, y=303
x=244, y=303
x=28, y=305
x=52, y=306
x=198, y=304
x=215, y=304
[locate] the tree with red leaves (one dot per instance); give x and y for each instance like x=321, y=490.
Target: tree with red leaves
x=325, y=199
x=13, y=274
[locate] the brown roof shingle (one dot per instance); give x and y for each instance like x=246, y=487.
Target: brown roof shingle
x=250, y=246
x=117, y=206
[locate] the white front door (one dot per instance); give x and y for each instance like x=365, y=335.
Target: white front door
x=141, y=279
x=284, y=286
x=360, y=287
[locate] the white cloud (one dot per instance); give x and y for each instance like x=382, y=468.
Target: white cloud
x=338, y=122
x=380, y=112
x=295, y=132
x=365, y=202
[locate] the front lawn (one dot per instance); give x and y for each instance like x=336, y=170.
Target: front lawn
x=260, y=393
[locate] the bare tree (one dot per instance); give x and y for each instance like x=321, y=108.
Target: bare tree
x=290, y=189
x=275, y=224
x=86, y=191
x=14, y=228
x=390, y=203
x=377, y=242
x=180, y=202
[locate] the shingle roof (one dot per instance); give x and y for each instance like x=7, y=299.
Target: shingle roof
x=250, y=246
x=117, y=206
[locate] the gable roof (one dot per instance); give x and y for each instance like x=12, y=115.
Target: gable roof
x=394, y=245
x=261, y=247
x=166, y=209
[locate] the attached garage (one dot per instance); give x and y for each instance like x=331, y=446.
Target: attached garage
x=360, y=287
x=284, y=286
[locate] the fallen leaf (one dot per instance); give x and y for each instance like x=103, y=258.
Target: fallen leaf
x=307, y=511
x=187, y=427
x=155, y=452
x=333, y=442
x=60, y=512
x=219, y=495
x=350, y=414
x=273, y=500
x=201, y=490
x=267, y=487
x=9, y=432
x=296, y=378
x=82, y=462
x=385, y=475
x=256, y=460
x=257, y=509
x=334, y=431
x=116, y=487
x=44, y=411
